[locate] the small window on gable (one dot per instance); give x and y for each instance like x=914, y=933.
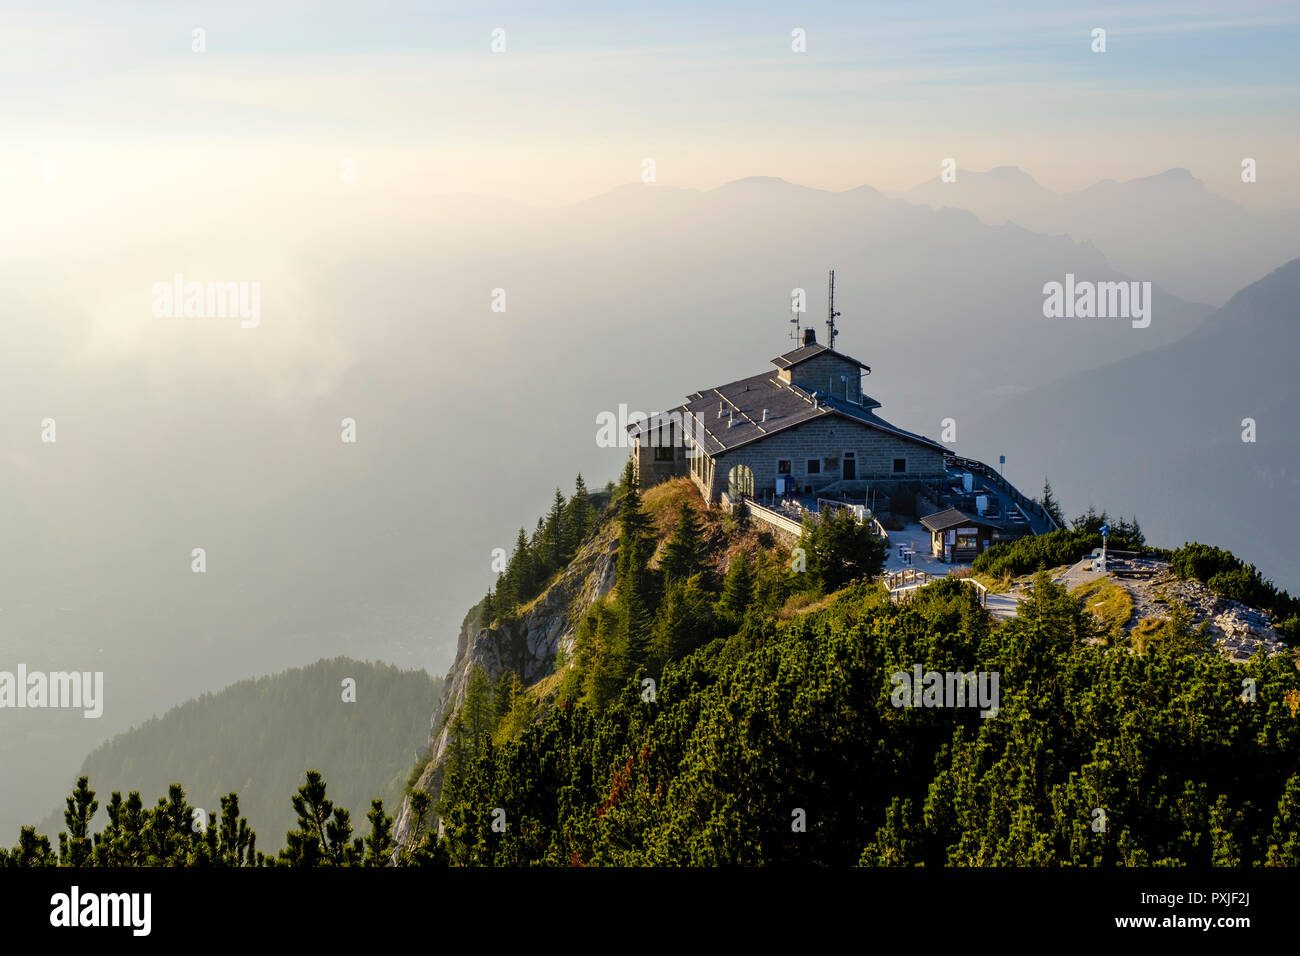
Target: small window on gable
x=900, y=466
x=814, y=466
x=783, y=467
x=664, y=442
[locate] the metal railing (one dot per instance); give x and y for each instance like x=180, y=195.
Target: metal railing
x=907, y=581
x=1026, y=505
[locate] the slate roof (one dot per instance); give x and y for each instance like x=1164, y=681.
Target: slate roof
x=805, y=352
x=952, y=518
x=742, y=403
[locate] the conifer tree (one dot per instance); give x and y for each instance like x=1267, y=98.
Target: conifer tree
x=508, y=687
x=108, y=844
x=518, y=581
x=577, y=518
x=237, y=842
x=477, y=708
x=553, y=535
x=342, y=850
x=684, y=552
x=308, y=845
x=737, y=588
x=632, y=579
x=75, y=846
x=1051, y=505
x=420, y=803
x=380, y=842
x=685, y=621
x=168, y=832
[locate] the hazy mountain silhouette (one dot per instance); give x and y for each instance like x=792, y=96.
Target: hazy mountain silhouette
x=1165, y=228
x=1160, y=433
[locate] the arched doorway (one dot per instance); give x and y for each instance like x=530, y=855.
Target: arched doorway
x=740, y=482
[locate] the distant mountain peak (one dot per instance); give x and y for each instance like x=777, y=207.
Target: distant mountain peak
x=1011, y=174
x=1178, y=176
x=759, y=182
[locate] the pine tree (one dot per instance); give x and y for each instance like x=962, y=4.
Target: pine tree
x=508, y=687
x=684, y=622
x=684, y=552
x=108, y=843
x=1051, y=505
x=537, y=547
x=477, y=708
x=487, y=611
x=632, y=579
x=553, y=536
x=237, y=842
x=1090, y=521
x=608, y=660
x=1135, y=538
x=737, y=588
x=167, y=831
x=343, y=851
x=75, y=845
x=577, y=518
x=420, y=803
x=309, y=844
x=518, y=581
x=380, y=842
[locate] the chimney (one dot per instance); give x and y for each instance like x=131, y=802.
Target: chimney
x=765, y=415
x=809, y=337
x=731, y=418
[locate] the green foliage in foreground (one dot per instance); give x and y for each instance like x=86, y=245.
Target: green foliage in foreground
x=173, y=833
x=747, y=736
x=715, y=769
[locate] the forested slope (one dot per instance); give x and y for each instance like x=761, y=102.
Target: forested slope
x=257, y=738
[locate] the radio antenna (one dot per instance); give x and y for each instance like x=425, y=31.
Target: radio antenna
x=831, y=314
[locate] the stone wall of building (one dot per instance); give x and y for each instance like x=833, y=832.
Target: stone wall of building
x=821, y=373
x=827, y=440
x=650, y=470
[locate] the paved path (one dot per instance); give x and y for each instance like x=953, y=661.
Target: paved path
x=916, y=536
x=1003, y=606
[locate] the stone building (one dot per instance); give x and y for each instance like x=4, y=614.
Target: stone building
x=805, y=428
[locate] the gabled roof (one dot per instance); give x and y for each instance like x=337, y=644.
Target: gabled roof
x=707, y=413
x=952, y=518
x=806, y=352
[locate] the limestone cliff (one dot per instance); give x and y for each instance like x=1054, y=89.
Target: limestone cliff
x=527, y=645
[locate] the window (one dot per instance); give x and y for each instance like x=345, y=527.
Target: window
x=664, y=442
x=900, y=466
x=783, y=467
x=814, y=466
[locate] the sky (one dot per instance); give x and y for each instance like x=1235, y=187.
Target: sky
x=583, y=94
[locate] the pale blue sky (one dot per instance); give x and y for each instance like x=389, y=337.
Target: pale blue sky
x=713, y=92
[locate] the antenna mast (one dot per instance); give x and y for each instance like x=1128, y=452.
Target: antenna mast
x=831, y=314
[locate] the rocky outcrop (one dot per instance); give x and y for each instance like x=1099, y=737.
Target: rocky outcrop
x=1237, y=629
x=527, y=645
